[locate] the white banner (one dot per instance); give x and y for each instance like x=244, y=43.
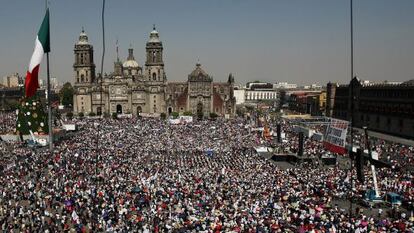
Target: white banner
x=335, y=136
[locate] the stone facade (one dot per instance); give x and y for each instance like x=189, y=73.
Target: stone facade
x=382, y=107
x=132, y=89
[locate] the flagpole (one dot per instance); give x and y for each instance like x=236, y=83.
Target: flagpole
x=351, y=99
x=49, y=106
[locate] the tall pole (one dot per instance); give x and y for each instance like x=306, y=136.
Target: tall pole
x=49, y=105
x=351, y=99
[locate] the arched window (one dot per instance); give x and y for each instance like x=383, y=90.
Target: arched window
x=154, y=76
x=153, y=56
x=82, y=78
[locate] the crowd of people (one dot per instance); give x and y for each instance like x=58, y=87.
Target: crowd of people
x=146, y=175
x=7, y=122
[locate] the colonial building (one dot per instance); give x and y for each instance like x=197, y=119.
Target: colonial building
x=256, y=92
x=383, y=107
x=311, y=102
x=133, y=89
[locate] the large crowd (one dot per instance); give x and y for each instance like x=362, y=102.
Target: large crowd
x=145, y=175
x=7, y=122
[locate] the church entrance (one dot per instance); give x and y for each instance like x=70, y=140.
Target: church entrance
x=98, y=111
x=169, y=110
x=139, y=110
x=200, y=111
x=119, y=109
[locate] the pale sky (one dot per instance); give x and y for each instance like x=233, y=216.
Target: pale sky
x=298, y=41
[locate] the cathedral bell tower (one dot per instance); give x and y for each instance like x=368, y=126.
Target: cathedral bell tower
x=154, y=65
x=84, y=67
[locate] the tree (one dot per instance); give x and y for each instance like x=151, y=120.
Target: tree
x=92, y=114
x=31, y=117
x=81, y=114
x=115, y=115
x=175, y=115
x=163, y=115
x=213, y=115
x=188, y=113
x=240, y=111
x=66, y=94
x=69, y=115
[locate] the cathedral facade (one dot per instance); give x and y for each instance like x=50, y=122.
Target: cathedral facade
x=137, y=90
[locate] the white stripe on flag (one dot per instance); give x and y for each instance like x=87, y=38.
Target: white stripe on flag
x=36, y=56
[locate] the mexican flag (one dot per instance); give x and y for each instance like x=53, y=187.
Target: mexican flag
x=42, y=46
x=31, y=116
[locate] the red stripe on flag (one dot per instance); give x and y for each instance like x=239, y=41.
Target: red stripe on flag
x=32, y=82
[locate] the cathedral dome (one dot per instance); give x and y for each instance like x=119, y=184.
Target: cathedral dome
x=130, y=62
x=199, y=74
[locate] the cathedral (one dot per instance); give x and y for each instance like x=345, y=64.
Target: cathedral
x=138, y=90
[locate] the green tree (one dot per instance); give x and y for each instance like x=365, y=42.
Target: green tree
x=66, y=94
x=213, y=115
x=175, y=115
x=81, y=114
x=163, y=115
x=69, y=115
x=188, y=113
x=31, y=117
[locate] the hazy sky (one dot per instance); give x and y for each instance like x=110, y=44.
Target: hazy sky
x=299, y=41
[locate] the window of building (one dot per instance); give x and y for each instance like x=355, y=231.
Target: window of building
x=154, y=76
x=82, y=78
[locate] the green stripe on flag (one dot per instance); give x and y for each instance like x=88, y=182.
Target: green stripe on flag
x=43, y=34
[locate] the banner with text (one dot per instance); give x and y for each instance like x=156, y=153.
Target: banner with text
x=335, y=137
